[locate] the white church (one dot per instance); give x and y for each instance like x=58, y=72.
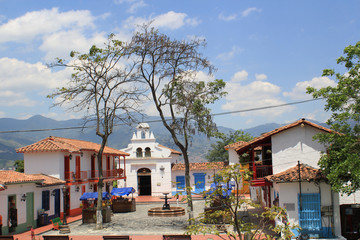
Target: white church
x=153, y=169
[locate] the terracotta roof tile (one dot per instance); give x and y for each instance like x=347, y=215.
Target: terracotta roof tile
x=55, y=144
x=10, y=176
x=234, y=145
x=172, y=150
x=307, y=173
x=280, y=129
x=49, y=180
x=199, y=166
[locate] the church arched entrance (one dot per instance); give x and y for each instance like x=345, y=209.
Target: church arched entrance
x=144, y=181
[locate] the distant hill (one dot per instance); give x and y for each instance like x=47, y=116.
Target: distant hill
x=119, y=139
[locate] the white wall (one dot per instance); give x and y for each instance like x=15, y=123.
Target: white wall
x=293, y=145
x=233, y=157
x=50, y=163
x=19, y=190
x=288, y=193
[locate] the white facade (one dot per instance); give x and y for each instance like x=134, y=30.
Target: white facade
x=28, y=201
x=288, y=147
x=146, y=153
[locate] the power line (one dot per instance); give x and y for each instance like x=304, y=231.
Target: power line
x=159, y=120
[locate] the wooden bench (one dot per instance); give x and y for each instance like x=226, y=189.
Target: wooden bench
x=7, y=237
x=116, y=237
x=56, y=237
x=176, y=237
x=56, y=223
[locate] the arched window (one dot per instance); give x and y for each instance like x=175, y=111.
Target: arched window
x=147, y=152
x=139, y=153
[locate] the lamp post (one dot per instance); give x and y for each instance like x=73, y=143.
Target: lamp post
x=64, y=190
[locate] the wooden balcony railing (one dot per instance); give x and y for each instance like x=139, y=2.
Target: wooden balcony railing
x=114, y=173
x=75, y=176
x=263, y=171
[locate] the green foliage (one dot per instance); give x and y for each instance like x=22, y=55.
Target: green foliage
x=19, y=165
x=218, y=152
x=228, y=218
x=341, y=163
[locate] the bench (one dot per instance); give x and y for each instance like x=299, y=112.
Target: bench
x=56, y=237
x=116, y=237
x=176, y=237
x=7, y=237
x=56, y=223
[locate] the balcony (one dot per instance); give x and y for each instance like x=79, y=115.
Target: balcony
x=115, y=173
x=263, y=171
x=75, y=176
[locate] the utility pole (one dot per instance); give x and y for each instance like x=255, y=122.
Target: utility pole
x=300, y=198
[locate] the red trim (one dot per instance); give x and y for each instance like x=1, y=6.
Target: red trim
x=75, y=212
x=260, y=182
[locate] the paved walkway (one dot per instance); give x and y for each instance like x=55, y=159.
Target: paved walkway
x=137, y=224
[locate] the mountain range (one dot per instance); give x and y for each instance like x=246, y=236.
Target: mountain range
x=15, y=133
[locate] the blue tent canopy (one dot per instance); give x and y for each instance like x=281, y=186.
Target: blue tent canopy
x=122, y=191
x=226, y=189
x=94, y=196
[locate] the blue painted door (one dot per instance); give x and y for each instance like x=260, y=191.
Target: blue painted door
x=310, y=213
x=180, y=183
x=199, y=182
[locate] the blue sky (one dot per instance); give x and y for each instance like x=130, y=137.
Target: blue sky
x=266, y=51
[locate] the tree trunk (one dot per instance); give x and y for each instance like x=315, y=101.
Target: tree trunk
x=188, y=187
x=99, y=217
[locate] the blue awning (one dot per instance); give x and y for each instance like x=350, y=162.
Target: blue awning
x=94, y=196
x=122, y=191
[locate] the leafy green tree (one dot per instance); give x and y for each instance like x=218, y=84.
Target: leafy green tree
x=102, y=86
x=228, y=217
x=19, y=165
x=341, y=162
x=218, y=153
x=169, y=68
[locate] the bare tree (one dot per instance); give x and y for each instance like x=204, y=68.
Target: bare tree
x=170, y=70
x=103, y=86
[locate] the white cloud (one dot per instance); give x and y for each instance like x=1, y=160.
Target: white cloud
x=170, y=20
x=246, y=12
x=44, y=22
x=228, y=17
x=260, y=77
x=60, y=44
x=253, y=95
x=22, y=83
x=135, y=6
x=299, y=91
x=229, y=55
x=240, y=76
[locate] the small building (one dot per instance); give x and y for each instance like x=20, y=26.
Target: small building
x=75, y=162
x=287, y=173
x=28, y=200
x=153, y=169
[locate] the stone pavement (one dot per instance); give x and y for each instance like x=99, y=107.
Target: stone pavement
x=136, y=224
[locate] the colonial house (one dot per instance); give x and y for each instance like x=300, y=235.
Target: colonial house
x=287, y=174
x=27, y=200
x=153, y=169
x=75, y=162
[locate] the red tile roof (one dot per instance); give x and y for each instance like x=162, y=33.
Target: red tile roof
x=199, y=166
x=49, y=180
x=307, y=173
x=56, y=144
x=234, y=145
x=281, y=129
x=10, y=176
x=172, y=150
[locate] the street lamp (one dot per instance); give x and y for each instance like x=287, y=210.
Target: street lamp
x=64, y=190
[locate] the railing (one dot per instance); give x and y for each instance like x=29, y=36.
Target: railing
x=263, y=171
x=75, y=176
x=114, y=173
